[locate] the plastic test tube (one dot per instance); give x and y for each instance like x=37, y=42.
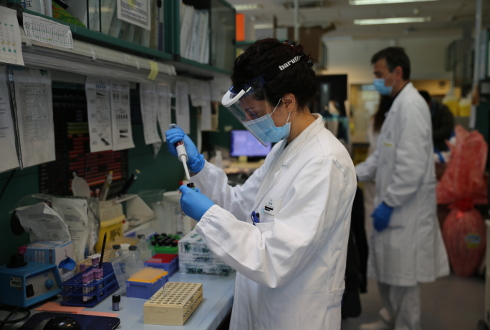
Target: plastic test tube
x=85, y=281
x=101, y=276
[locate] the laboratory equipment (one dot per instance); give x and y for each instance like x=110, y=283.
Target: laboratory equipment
x=146, y=282
x=116, y=251
x=182, y=154
x=173, y=304
x=168, y=262
x=144, y=247
x=243, y=143
x=116, y=300
x=26, y=283
x=106, y=186
x=79, y=186
x=89, y=288
x=133, y=251
x=128, y=184
x=103, y=250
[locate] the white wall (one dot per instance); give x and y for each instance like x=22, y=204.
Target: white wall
x=353, y=58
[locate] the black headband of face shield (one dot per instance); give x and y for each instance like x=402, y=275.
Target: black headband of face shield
x=272, y=73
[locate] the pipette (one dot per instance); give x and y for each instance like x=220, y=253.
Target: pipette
x=182, y=154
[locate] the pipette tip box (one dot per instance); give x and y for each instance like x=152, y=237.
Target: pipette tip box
x=173, y=304
x=144, y=283
x=169, y=262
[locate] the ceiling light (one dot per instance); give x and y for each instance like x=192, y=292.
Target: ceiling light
x=382, y=2
x=246, y=6
x=393, y=20
x=263, y=26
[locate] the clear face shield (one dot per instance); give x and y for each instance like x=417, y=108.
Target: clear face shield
x=251, y=107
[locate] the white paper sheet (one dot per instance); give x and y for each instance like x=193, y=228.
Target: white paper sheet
x=43, y=223
x=136, y=12
x=9, y=159
x=164, y=108
x=195, y=92
x=149, y=100
x=182, y=106
x=99, y=113
x=122, y=134
x=46, y=31
x=206, y=106
x=10, y=41
x=34, y=115
x=75, y=214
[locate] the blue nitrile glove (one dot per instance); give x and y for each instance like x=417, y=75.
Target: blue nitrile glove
x=195, y=160
x=381, y=216
x=193, y=203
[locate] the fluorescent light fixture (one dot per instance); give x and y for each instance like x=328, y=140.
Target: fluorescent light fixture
x=393, y=20
x=246, y=6
x=263, y=26
x=382, y=2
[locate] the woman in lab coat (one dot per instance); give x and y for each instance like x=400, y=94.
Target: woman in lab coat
x=285, y=230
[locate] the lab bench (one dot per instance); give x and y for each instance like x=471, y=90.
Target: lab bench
x=218, y=300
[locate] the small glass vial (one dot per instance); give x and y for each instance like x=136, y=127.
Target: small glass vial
x=116, y=299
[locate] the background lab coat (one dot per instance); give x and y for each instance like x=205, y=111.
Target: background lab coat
x=410, y=250
x=291, y=265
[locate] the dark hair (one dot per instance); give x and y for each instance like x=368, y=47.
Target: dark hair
x=394, y=56
x=426, y=96
x=379, y=117
x=265, y=54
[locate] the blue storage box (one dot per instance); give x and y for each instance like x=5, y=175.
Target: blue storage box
x=169, y=262
x=146, y=282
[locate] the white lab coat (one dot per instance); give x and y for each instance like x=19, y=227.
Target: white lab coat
x=291, y=265
x=410, y=250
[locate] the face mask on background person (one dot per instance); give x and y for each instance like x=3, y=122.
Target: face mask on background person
x=379, y=85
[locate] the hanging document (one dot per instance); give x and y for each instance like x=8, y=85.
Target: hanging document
x=34, y=116
x=9, y=159
x=149, y=101
x=122, y=134
x=99, y=113
x=206, y=106
x=182, y=106
x=10, y=42
x=164, y=108
x=136, y=12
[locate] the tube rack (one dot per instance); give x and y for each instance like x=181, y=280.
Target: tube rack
x=76, y=293
x=173, y=304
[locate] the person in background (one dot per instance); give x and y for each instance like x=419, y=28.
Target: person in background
x=286, y=229
x=406, y=247
x=374, y=126
x=442, y=122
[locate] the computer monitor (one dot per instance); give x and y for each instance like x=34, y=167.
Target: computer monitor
x=243, y=143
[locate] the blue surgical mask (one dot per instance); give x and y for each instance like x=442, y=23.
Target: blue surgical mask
x=379, y=85
x=265, y=129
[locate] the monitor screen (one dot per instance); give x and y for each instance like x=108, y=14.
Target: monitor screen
x=243, y=143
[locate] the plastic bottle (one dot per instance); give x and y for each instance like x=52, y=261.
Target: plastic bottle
x=124, y=248
x=117, y=253
x=133, y=252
